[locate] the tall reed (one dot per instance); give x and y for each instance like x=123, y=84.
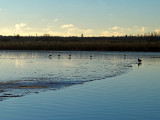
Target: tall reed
x=126, y=43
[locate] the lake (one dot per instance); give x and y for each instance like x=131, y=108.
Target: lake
x=79, y=85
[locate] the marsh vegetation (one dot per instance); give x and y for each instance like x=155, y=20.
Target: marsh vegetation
x=124, y=43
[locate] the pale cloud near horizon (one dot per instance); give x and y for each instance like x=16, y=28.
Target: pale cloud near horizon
x=139, y=29
x=143, y=29
x=26, y=29
x=23, y=29
x=115, y=31
x=54, y=33
x=120, y=31
x=157, y=30
x=67, y=26
x=19, y=26
x=76, y=31
x=6, y=31
x=87, y=31
x=105, y=33
x=109, y=33
x=63, y=30
x=115, y=28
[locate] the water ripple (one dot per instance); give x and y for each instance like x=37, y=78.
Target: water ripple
x=36, y=73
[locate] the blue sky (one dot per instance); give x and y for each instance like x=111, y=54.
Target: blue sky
x=74, y=17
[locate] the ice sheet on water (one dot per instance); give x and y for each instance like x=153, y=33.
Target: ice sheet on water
x=28, y=72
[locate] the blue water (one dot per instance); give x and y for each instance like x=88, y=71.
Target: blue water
x=132, y=94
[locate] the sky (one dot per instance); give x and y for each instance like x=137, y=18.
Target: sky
x=74, y=17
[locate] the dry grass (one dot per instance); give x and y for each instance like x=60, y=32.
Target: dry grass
x=148, y=43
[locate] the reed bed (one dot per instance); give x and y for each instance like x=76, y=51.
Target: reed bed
x=148, y=43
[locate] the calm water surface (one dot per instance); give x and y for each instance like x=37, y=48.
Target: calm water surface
x=107, y=85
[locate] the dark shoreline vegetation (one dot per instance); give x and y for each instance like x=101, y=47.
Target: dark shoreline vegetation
x=125, y=43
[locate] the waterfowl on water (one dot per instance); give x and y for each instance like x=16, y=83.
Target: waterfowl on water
x=139, y=64
x=139, y=60
x=70, y=56
x=50, y=56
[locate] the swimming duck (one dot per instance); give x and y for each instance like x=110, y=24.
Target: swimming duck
x=139, y=60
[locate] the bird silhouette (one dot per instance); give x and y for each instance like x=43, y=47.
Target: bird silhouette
x=139, y=60
x=50, y=56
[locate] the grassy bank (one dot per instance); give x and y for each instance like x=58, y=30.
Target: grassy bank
x=148, y=43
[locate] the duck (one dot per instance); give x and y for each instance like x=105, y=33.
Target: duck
x=139, y=60
x=70, y=56
x=124, y=57
x=50, y=56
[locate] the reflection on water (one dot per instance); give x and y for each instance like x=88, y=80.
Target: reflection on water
x=139, y=64
x=131, y=96
x=27, y=72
